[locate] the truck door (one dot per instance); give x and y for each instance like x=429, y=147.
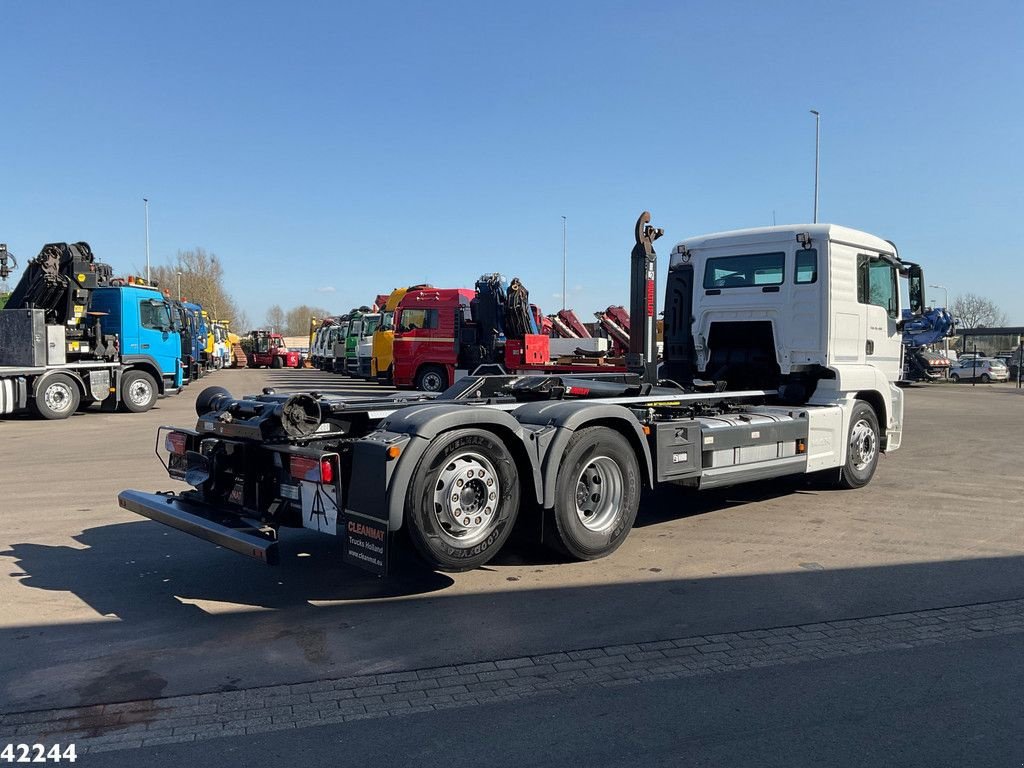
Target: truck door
x=418, y=340
x=878, y=291
x=154, y=333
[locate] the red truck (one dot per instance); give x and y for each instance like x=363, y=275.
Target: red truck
x=427, y=348
x=268, y=349
x=443, y=334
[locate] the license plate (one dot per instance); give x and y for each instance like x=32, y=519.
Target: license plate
x=319, y=508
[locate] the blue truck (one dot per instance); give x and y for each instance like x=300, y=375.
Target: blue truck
x=71, y=335
x=191, y=328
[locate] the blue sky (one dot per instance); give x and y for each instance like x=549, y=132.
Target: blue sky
x=357, y=147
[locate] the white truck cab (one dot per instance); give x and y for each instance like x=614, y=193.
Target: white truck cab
x=813, y=310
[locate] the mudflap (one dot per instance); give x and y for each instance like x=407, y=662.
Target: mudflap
x=365, y=542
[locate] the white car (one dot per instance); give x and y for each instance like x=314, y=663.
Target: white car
x=983, y=369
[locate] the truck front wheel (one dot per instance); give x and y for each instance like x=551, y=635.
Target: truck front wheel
x=432, y=378
x=138, y=391
x=58, y=398
x=862, y=448
x=277, y=362
x=597, y=493
x=463, y=500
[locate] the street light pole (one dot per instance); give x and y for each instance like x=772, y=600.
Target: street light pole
x=563, y=263
x=146, y=201
x=945, y=303
x=179, y=286
x=817, y=155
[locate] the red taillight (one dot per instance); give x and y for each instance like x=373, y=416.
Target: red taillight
x=308, y=468
x=175, y=442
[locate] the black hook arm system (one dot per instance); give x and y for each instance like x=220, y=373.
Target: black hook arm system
x=643, y=301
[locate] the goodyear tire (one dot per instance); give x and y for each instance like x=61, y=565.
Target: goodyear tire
x=463, y=500
x=58, y=398
x=597, y=493
x=432, y=378
x=138, y=391
x=862, y=448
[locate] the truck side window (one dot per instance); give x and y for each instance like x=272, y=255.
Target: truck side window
x=876, y=284
x=153, y=315
x=745, y=271
x=416, y=319
x=806, y=270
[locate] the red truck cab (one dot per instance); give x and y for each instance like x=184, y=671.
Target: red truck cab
x=426, y=349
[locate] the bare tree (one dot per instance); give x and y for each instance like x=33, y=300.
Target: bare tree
x=275, y=318
x=973, y=311
x=240, y=322
x=297, y=319
x=199, y=278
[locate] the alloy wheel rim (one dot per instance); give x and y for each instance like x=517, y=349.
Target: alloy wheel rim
x=863, y=445
x=57, y=397
x=598, y=494
x=139, y=392
x=466, y=498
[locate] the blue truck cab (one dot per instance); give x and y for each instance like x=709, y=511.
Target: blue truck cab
x=185, y=326
x=198, y=338
x=142, y=319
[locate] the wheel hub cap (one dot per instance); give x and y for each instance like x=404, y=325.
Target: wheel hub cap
x=57, y=398
x=599, y=493
x=466, y=498
x=139, y=392
x=863, y=445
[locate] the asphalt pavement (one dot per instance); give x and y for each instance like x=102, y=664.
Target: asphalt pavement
x=103, y=607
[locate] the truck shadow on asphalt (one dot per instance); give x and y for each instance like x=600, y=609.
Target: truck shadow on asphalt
x=142, y=570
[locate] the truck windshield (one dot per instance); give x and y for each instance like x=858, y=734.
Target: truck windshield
x=353, y=330
x=745, y=271
x=388, y=322
x=370, y=325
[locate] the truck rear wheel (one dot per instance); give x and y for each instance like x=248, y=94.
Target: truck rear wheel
x=862, y=447
x=276, y=362
x=463, y=500
x=58, y=398
x=432, y=378
x=597, y=493
x=138, y=391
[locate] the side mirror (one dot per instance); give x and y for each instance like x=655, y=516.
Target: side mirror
x=915, y=288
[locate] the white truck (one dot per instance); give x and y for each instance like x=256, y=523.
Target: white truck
x=782, y=349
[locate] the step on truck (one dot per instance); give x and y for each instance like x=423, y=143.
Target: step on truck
x=782, y=349
x=71, y=335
